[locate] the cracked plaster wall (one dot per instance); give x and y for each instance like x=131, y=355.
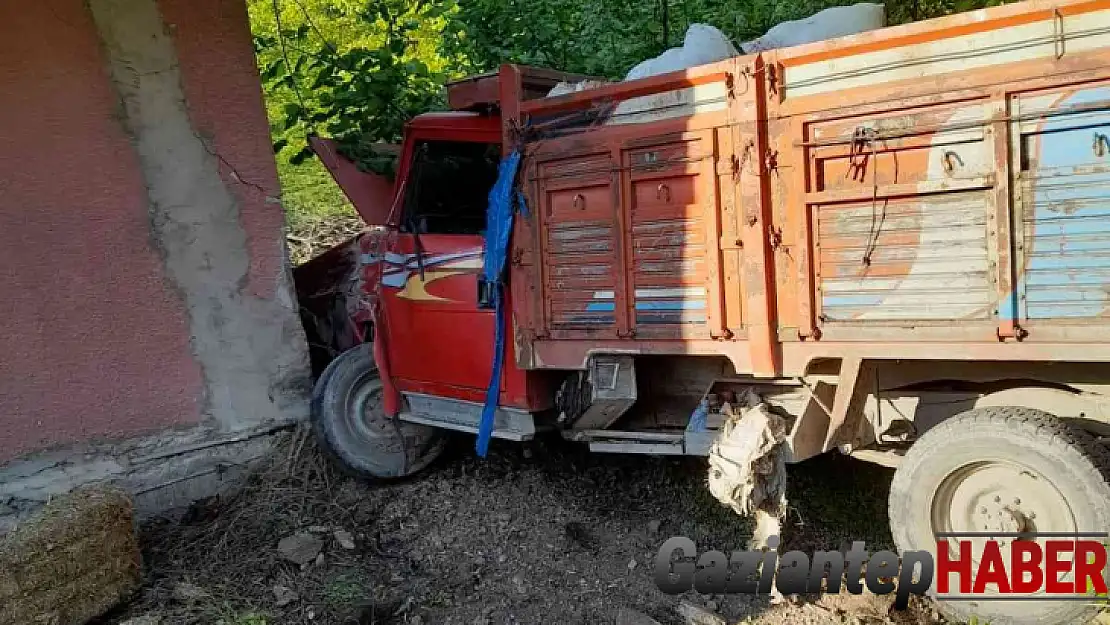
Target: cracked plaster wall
x=147, y=299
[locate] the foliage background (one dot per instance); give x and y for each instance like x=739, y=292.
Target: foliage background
x=357, y=69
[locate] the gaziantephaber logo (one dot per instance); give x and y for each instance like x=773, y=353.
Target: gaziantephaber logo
x=967, y=567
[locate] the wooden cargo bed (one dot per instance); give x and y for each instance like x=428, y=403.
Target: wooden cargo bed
x=935, y=190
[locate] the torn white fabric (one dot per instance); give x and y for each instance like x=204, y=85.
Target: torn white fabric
x=747, y=461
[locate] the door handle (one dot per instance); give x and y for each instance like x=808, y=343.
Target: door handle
x=663, y=193
x=487, y=291
x=949, y=160
x=1100, y=144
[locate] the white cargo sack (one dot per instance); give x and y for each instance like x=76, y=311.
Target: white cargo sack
x=828, y=24
x=705, y=44
x=702, y=44
x=564, y=88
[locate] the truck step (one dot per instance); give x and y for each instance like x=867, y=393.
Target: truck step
x=669, y=443
x=464, y=416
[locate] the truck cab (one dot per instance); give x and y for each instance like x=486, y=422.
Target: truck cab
x=401, y=303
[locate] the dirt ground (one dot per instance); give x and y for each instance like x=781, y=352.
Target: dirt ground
x=544, y=534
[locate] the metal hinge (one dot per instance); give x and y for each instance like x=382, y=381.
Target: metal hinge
x=810, y=333
x=774, y=236
x=745, y=157
x=771, y=160
x=773, y=79
x=1011, y=330
x=1059, y=37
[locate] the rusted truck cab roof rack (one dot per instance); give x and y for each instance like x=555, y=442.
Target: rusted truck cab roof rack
x=482, y=93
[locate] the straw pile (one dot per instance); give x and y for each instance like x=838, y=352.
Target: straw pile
x=75, y=559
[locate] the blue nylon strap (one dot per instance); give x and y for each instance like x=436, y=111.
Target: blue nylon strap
x=499, y=226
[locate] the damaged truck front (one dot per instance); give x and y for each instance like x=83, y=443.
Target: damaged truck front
x=898, y=240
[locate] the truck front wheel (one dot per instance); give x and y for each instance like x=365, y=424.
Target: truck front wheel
x=1004, y=470
x=351, y=424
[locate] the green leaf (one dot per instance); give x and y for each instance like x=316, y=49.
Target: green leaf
x=293, y=114
x=301, y=156
x=273, y=70
x=280, y=144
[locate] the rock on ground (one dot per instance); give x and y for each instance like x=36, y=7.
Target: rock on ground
x=300, y=548
x=697, y=615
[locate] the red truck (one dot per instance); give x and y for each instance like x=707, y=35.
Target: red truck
x=899, y=239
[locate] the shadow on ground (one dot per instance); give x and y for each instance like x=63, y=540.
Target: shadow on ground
x=547, y=534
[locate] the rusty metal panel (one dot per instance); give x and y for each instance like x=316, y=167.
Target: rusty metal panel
x=580, y=242
x=580, y=267
x=904, y=258
x=900, y=204
x=669, y=252
x=919, y=191
x=1064, y=187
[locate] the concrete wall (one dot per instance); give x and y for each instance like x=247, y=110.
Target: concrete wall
x=144, y=287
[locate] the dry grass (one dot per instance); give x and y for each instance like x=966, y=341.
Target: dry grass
x=310, y=235
x=218, y=563
x=40, y=579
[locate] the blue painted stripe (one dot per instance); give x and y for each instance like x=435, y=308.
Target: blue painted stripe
x=1050, y=278
x=1059, y=312
x=1008, y=307
x=601, y=307
x=1068, y=261
x=1063, y=294
x=1081, y=242
x=671, y=305
x=1086, y=207
x=841, y=301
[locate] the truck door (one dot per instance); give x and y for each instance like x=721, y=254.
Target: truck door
x=439, y=341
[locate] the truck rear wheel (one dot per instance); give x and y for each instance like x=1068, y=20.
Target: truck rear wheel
x=351, y=424
x=1001, y=469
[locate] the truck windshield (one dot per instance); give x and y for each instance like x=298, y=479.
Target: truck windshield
x=449, y=184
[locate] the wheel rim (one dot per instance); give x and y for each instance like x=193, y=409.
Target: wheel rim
x=365, y=403
x=999, y=496
x=381, y=437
